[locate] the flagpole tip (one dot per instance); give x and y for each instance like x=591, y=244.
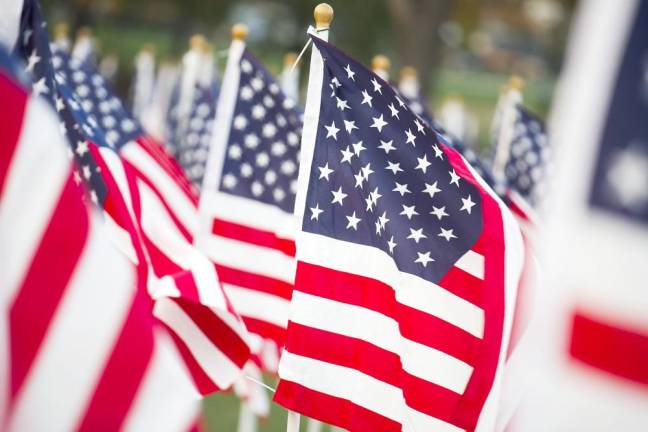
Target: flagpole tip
x=323, y=15
x=380, y=63
x=408, y=72
x=516, y=82
x=239, y=32
x=289, y=58
x=197, y=42
x=61, y=31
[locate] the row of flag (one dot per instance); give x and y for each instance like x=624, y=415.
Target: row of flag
x=357, y=248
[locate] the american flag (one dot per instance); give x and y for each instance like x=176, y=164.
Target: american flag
x=529, y=156
x=248, y=197
x=194, y=147
x=591, y=350
x=407, y=267
x=148, y=204
x=83, y=350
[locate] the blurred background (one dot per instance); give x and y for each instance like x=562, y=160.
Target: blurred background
x=464, y=50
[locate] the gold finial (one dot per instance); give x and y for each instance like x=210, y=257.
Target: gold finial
x=239, y=32
x=197, y=42
x=516, y=82
x=323, y=14
x=380, y=62
x=289, y=59
x=408, y=72
x=61, y=31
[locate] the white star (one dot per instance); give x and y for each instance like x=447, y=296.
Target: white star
x=350, y=73
x=59, y=104
x=93, y=197
x=400, y=102
x=325, y=171
x=423, y=164
x=387, y=146
x=410, y=137
x=358, y=147
x=393, y=167
x=346, y=155
x=438, y=153
x=419, y=126
x=315, y=212
x=439, y=212
x=342, y=104
x=366, y=99
x=335, y=83
x=359, y=178
x=86, y=172
x=32, y=61
x=394, y=111
x=391, y=244
x=331, y=131
x=40, y=87
x=366, y=171
x=627, y=176
x=240, y=122
x=409, y=211
x=447, y=234
x=468, y=204
x=431, y=189
x=372, y=199
x=454, y=178
x=353, y=222
x=229, y=180
x=81, y=148
x=349, y=125
x=377, y=86
x=416, y=235
x=338, y=196
x=401, y=189
x=382, y=222
x=77, y=177
x=378, y=123
x=424, y=259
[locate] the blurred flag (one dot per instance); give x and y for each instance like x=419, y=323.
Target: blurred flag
x=410, y=89
x=143, y=81
x=248, y=197
x=154, y=117
x=148, y=203
x=590, y=349
x=407, y=267
x=84, y=48
x=289, y=79
x=83, y=351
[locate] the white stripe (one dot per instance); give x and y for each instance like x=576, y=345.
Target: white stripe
x=163, y=233
x=259, y=305
x=251, y=258
x=411, y=290
x=472, y=263
x=251, y=213
x=174, y=196
x=357, y=322
x=166, y=399
x=79, y=340
x=29, y=197
x=363, y=390
x=220, y=369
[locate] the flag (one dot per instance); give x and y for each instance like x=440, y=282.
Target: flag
x=148, y=203
x=407, y=267
x=82, y=350
x=410, y=89
x=248, y=197
x=529, y=156
x=590, y=347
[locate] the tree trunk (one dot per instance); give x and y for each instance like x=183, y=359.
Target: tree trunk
x=416, y=24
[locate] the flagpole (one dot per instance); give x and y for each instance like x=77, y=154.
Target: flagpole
x=380, y=65
x=323, y=15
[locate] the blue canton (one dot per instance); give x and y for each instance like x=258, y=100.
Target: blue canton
x=261, y=160
x=380, y=176
x=529, y=156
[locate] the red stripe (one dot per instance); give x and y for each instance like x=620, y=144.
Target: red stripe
x=52, y=266
x=377, y=296
x=125, y=368
x=266, y=330
x=254, y=281
x=12, y=111
x=218, y=332
x=376, y=362
x=617, y=350
x=254, y=236
x=464, y=285
x=336, y=411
